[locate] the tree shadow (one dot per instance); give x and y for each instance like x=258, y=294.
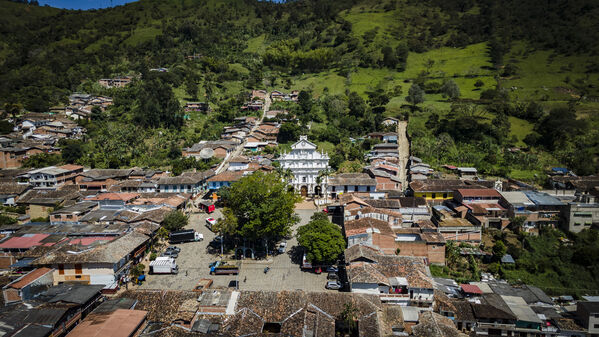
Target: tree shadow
x=296, y=254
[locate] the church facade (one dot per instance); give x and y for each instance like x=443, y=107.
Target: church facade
x=305, y=162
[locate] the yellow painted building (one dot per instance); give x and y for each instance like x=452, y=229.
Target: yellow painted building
x=442, y=195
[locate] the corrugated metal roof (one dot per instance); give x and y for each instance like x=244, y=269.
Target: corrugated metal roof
x=543, y=199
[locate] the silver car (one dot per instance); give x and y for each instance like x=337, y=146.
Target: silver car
x=333, y=285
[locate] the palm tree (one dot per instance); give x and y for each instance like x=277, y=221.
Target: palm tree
x=285, y=174
x=324, y=174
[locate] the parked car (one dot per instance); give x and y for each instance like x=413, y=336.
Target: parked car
x=171, y=253
x=202, y=285
x=333, y=285
x=282, y=247
x=332, y=276
x=174, y=249
x=210, y=222
x=332, y=269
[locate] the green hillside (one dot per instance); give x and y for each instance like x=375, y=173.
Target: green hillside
x=526, y=72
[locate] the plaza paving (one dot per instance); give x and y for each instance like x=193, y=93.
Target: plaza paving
x=284, y=273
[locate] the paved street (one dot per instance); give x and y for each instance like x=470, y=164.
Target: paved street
x=403, y=146
x=240, y=148
x=284, y=273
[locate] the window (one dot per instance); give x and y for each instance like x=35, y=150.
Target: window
x=434, y=195
x=596, y=326
x=61, y=269
x=367, y=188
x=78, y=269
x=303, y=179
x=271, y=327
x=345, y=188
x=355, y=188
x=444, y=195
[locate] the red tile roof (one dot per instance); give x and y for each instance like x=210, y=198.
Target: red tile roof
x=24, y=242
x=121, y=322
x=86, y=241
x=114, y=196
x=479, y=192
x=471, y=289
x=30, y=277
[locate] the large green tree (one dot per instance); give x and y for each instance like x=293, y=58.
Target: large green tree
x=322, y=239
x=262, y=207
x=415, y=95
x=157, y=106
x=174, y=221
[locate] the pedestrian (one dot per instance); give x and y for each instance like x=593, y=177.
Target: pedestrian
x=245, y=279
x=186, y=273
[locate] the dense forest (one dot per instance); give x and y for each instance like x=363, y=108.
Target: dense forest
x=474, y=77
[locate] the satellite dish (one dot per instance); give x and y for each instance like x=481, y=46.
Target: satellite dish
x=206, y=153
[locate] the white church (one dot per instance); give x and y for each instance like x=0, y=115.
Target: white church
x=305, y=163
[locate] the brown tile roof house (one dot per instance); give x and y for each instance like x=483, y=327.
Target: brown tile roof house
x=352, y=179
x=50, y=197
x=433, y=324
x=119, y=323
x=28, y=278
x=12, y=188
x=362, y=253
x=110, y=253
x=413, y=269
x=154, y=216
x=297, y=313
x=354, y=227
x=384, y=203
x=479, y=192
x=445, y=185
x=173, y=200
x=376, y=232
x=165, y=306
x=188, y=182
x=391, y=217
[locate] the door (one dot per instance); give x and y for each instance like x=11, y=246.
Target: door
x=318, y=191
x=304, y=191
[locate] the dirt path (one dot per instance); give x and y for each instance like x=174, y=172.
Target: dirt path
x=404, y=153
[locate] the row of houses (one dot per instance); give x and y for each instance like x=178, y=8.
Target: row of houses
x=36, y=133
x=36, y=307
x=41, y=190
x=80, y=105
x=116, y=82
x=275, y=95
x=485, y=203
x=500, y=309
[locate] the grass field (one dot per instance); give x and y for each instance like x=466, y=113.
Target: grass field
x=141, y=35
x=520, y=128
x=363, y=21
x=256, y=45
x=543, y=75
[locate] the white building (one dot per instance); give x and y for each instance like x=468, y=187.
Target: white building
x=305, y=163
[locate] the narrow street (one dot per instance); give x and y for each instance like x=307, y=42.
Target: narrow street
x=403, y=146
x=239, y=149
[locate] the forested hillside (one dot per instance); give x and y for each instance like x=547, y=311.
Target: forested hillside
x=474, y=77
